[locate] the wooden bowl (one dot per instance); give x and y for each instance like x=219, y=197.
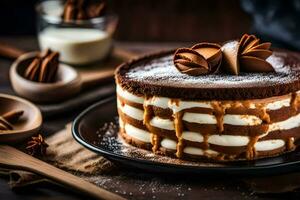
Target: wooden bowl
x=29, y=123
x=68, y=82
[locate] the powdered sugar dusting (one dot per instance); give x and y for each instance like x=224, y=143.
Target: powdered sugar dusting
x=230, y=46
x=278, y=64
x=162, y=71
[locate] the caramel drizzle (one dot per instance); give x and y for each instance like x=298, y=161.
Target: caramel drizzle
x=251, y=152
x=265, y=117
x=155, y=141
x=219, y=112
x=175, y=101
x=205, y=141
x=178, y=129
x=294, y=102
x=148, y=114
x=290, y=144
x=263, y=114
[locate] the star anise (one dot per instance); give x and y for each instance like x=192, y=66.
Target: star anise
x=8, y=119
x=43, y=68
x=37, y=146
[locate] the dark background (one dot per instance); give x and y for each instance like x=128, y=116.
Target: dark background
x=181, y=20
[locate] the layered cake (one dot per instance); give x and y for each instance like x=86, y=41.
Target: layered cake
x=235, y=101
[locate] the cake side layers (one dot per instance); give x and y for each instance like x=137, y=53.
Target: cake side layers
x=250, y=129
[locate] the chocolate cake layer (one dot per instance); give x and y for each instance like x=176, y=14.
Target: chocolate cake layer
x=156, y=75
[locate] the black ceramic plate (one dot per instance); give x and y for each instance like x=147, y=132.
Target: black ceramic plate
x=97, y=129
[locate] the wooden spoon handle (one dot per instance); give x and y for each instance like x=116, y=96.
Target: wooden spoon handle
x=10, y=52
x=16, y=159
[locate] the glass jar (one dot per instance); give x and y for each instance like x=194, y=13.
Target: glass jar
x=79, y=42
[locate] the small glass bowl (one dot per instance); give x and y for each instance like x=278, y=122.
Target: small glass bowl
x=79, y=42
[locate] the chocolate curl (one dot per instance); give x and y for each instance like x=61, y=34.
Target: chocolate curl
x=190, y=62
x=253, y=55
x=248, y=55
x=212, y=53
x=230, y=57
x=43, y=68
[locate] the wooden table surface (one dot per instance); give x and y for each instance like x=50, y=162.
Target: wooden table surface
x=203, y=187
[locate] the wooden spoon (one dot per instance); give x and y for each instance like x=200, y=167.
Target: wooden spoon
x=13, y=158
x=29, y=124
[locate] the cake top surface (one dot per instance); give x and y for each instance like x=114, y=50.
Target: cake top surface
x=156, y=75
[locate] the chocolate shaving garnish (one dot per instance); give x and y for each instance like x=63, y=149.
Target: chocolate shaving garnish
x=8, y=119
x=43, y=68
x=82, y=10
x=212, y=53
x=202, y=58
x=230, y=57
x=37, y=146
x=190, y=62
x=253, y=55
x=248, y=55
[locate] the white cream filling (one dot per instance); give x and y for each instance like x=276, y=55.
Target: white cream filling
x=164, y=102
x=161, y=102
x=128, y=96
x=162, y=123
x=290, y=123
x=199, y=152
x=199, y=118
x=137, y=133
x=278, y=104
x=133, y=112
x=192, y=136
x=268, y=145
x=228, y=140
x=168, y=144
x=187, y=104
x=224, y=140
x=193, y=151
x=241, y=120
